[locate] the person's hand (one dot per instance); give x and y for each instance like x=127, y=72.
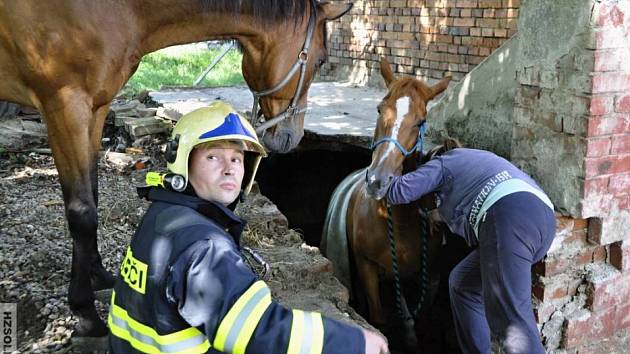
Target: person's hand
x=374, y=343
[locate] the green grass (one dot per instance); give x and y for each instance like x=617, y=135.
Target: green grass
x=160, y=69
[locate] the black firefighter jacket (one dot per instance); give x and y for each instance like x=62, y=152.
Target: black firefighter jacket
x=183, y=287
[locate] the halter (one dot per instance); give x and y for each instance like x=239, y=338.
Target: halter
x=293, y=108
x=422, y=127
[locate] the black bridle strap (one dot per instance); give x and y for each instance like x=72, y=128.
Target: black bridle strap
x=300, y=65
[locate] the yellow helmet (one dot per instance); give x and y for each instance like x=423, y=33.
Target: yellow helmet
x=219, y=121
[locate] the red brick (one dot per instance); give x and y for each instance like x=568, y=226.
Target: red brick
x=489, y=13
x=512, y=13
x=606, y=165
x=575, y=239
x=489, y=3
x=620, y=255
x=586, y=326
x=623, y=104
x=551, y=288
x=599, y=254
x=466, y=4
x=609, y=15
x=498, y=32
x=595, y=186
x=464, y=22
x=619, y=184
x=610, y=82
x=580, y=224
x=601, y=105
x=606, y=125
x=607, y=60
x=623, y=317
x=492, y=42
x=594, y=233
x=564, y=223
x=609, y=292
x=465, y=13
x=511, y=3
x=596, y=147
x=588, y=255
x=622, y=201
x=621, y=144
x=549, y=267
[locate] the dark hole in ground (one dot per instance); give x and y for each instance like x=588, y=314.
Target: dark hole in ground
x=300, y=183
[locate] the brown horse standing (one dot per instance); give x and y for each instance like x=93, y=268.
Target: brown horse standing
x=400, y=114
x=68, y=58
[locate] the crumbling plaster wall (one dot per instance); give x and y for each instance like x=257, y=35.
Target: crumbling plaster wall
x=478, y=109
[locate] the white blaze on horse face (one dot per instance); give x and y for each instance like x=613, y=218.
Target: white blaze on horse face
x=402, y=108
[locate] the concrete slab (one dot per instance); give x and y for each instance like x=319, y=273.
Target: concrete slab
x=335, y=108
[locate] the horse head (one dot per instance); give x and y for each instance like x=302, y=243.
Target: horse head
x=401, y=115
x=279, y=71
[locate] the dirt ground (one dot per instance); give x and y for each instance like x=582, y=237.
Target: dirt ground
x=35, y=249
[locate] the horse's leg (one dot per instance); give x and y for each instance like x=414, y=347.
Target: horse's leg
x=99, y=276
x=368, y=274
x=70, y=118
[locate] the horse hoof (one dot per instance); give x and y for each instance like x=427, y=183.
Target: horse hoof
x=90, y=344
x=103, y=296
x=90, y=326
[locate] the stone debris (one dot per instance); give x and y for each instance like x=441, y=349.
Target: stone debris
x=124, y=161
x=139, y=127
x=169, y=113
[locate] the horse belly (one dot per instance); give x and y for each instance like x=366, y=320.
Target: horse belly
x=11, y=87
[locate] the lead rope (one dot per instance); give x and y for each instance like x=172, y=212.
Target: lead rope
x=423, y=264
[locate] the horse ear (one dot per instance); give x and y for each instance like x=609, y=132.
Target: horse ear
x=333, y=11
x=386, y=72
x=440, y=86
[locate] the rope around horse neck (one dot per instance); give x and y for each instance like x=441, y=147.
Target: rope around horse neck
x=423, y=265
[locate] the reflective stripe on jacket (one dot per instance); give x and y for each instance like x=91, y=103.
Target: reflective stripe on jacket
x=183, y=287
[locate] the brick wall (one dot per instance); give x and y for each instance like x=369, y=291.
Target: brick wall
x=607, y=162
x=572, y=120
x=426, y=38
x=580, y=292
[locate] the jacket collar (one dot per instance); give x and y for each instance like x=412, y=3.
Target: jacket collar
x=221, y=215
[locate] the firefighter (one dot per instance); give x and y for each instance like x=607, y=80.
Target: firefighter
x=501, y=211
x=183, y=285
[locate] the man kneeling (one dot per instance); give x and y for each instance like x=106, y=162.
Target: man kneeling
x=183, y=285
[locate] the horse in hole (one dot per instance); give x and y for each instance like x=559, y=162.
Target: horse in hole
x=358, y=221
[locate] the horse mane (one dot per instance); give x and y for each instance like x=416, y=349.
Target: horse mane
x=265, y=11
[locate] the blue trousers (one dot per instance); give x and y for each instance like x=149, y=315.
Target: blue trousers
x=490, y=289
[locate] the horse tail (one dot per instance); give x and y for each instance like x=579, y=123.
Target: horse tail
x=334, y=241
